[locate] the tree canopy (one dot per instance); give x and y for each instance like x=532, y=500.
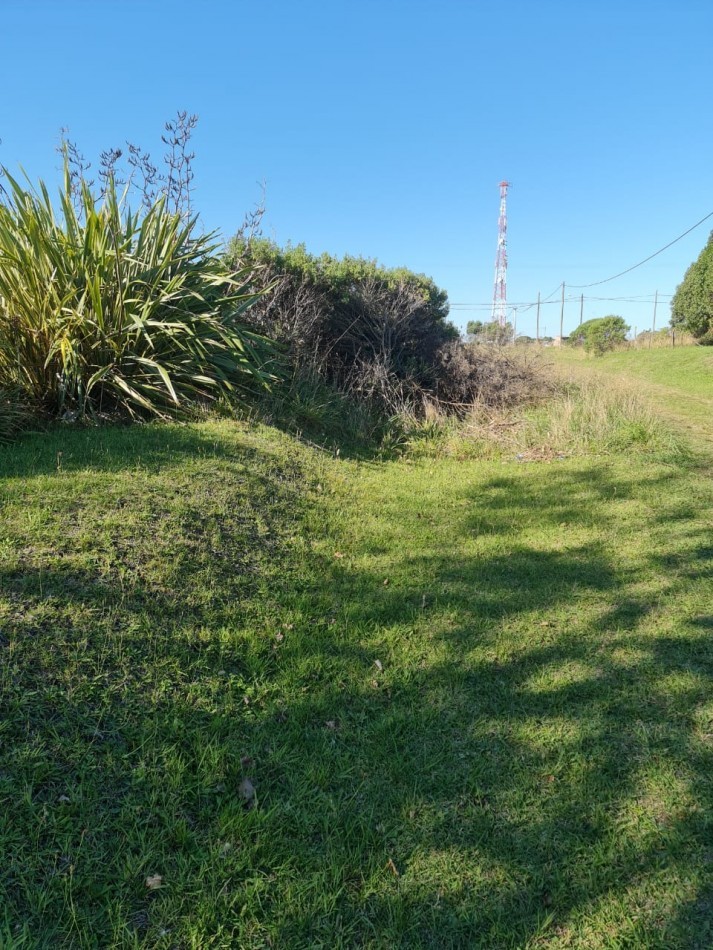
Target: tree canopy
x=600, y=334
x=692, y=304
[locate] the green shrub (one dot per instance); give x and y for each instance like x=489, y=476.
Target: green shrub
x=600, y=334
x=368, y=330
x=102, y=310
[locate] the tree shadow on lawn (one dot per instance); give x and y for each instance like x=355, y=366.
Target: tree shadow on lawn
x=528, y=755
x=527, y=784
x=153, y=446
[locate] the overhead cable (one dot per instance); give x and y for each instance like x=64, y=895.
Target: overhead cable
x=645, y=260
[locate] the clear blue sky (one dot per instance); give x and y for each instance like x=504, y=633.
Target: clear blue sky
x=383, y=128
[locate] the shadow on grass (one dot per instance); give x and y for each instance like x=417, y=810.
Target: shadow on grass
x=526, y=759
x=530, y=783
x=117, y=448
x=114, y=448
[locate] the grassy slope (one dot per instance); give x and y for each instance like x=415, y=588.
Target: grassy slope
x=678, y=380
x=528, y=763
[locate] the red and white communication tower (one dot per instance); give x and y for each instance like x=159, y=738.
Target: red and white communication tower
x=501, y=260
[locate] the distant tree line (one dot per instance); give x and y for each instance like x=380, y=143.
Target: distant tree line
x=490, y=331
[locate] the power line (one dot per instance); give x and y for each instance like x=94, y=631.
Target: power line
x=524, y=306
x=641, y=298
x=645, y=260
x=527, y=304
x=552, y=293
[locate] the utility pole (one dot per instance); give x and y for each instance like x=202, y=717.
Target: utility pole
x=653, y=324
x=562, y=317
x=581, y=308
x=538, y=317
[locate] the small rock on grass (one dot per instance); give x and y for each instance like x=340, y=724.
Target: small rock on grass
x=246, y=790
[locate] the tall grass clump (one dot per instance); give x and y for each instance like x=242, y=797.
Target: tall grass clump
x=307, y=406
x=589, y=416
x=582, y=417
x=107, y=311
x=594, y=415
x=15, y=414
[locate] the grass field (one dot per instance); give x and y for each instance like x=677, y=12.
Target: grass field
x=678, y=380
x=257, y=696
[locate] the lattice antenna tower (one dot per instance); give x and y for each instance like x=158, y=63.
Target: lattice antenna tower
x=501, y=260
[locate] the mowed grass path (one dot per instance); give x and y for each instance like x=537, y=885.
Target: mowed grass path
x=678, y=380
x=474, y=700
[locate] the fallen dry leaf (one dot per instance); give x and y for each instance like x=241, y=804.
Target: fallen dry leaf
x=379, y=665
x=392, y=867
x=331, y=724
x=386, y=582
x=154, y=881
x=338, y=554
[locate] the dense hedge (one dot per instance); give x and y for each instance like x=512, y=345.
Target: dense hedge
x=371, y=330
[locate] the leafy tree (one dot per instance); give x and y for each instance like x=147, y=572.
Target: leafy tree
x=600, y=334
x=692, y=304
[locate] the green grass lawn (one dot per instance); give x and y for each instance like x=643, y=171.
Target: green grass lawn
x=679, y=380
x=474, y=700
